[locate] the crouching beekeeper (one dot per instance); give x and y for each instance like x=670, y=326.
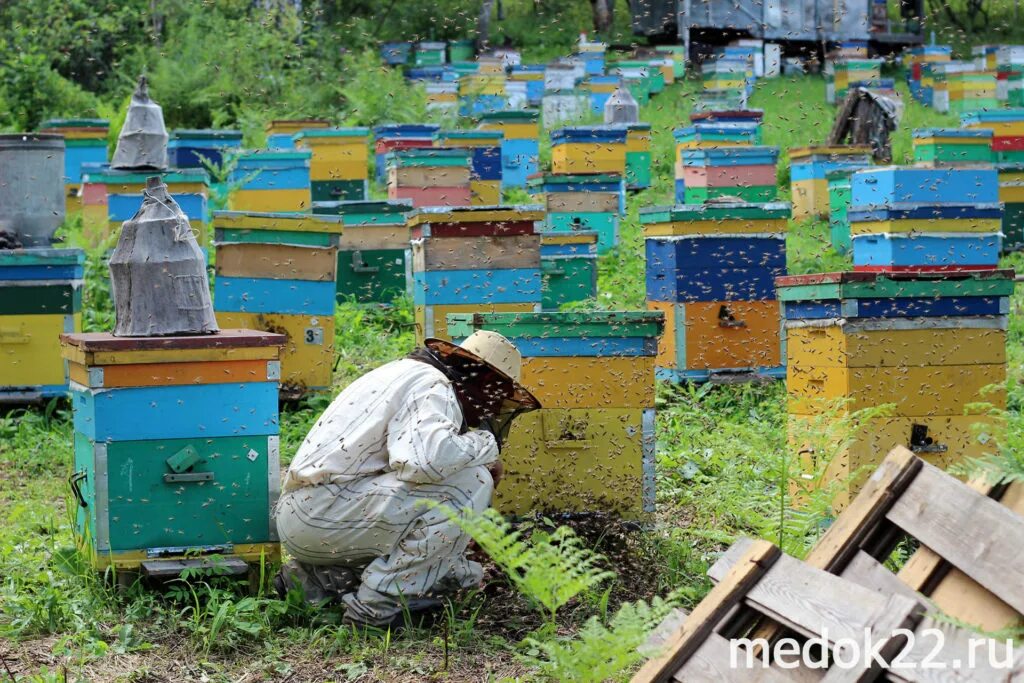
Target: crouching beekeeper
x=359, y=512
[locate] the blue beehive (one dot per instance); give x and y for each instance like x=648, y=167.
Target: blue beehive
x=191, y=148
x=689, y=268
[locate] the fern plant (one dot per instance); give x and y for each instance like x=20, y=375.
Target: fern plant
x=599, y=651
x=550, y=569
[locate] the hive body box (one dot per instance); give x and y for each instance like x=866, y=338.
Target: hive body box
x=638, y=156
x=919, y=61
x=533, y=76
x=838, y=208
x=124, y=195
x=600, y=88
x=339, y=166
x=277, y=272
x=176, y=446
x=373, y=258
x=582, y=201
x=197, y=148
x=520, y=146
x=473, y=260
x=391, y=137
x=711, y=272
x=952, y=147
x=593, y=149
x=1011, y=194
x=591, y=447
x=85, y=142
x=40, y=299
x=1007, y=129
x=843, y=74
x=271, y=182
x=746, y=173
x=928, y=344
x=959, y=87
x=809, y=168
x=568, y=262
x=281, y=132
x=430, y=177
x=925, y=219
x=480, y=93
x=485, y=165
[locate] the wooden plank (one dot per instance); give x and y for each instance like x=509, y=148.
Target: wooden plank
x=866, y=571
x=276, y=261
x=106, y=358
x=861, y=518
x=104, y=341
x=711, y=663
x=705, y=617
x=974, y=533
x=476, y=253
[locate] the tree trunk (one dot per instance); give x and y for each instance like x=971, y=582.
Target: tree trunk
x=483, y=25
x=604, y=16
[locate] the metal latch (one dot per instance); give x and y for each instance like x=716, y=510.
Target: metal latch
x=184, y=460
x=360, y=266
x=188, y=477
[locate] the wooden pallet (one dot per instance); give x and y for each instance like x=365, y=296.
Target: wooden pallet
x=968, y=534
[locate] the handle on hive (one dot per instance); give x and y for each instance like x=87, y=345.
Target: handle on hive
x=73, y=480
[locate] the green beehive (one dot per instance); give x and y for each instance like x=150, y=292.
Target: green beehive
x=838, y=205
x=568, y=265
x=373, y=251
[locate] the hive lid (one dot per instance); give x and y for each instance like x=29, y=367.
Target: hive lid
x=332, y=133
x=541, y=179
x=206, y=134
x=91, y=342
x=285, y=222
x=476, y=214
x=74, y=123
x=978, y=133
x=528, y=115
x=142, y=143
x=717, y=211
x=858, y=285
x=575, y=324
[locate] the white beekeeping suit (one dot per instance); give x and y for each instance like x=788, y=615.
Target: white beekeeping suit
x=362, y=493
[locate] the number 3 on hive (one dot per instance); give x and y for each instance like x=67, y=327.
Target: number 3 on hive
x=315, y=335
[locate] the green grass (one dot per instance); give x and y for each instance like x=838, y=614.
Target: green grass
x=723, y=471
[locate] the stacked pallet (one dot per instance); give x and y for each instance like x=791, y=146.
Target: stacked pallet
x=85, y=142
x=960, y=87
x=485, y=165
x=582, y=201
x=744, y=173
x=920, y=620
x=952, y=147
x=276, y=272
x=176, y=450
x=711, y=270
x=520, y=144
x=339, y=165
x=1009, y=69
x=925, y=219
x=568, y=264
x=281, y=132
x=473, y=260
x=397, y=136
x=272, y=181
x=919, y=62
x=40, y=298
x=373, y=261
x=591, y=447
x=190, y=188
x=844, y=73
x=808, y=172
x=932, y=346
x=433, y=176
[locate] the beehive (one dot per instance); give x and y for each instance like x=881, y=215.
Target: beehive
x=746, y=173
x=925, y=219
x=397, y=136
x=638, y=156
x=711, y=271
x=808, y=168
x=533, y=76
x=201, y=148
x=176, y=447
x=590, y=149
x=843, y=74
x=40, y=298
x=471, y=260
x=928, y=347
x=592, y=55
x=429, y=53
x=641, y=72
x=959, y=87
x=396, y=54
x=520, y=146
x=1011, y=194
x=952, y=146
x=480, y=93
x=600, y=89
x=591, y=447
x=271, y=182
x=339, y=165
x=727, y=74
x=85, y=142
x=436, y=176
x=582, y=201
x=281, y=131
x=1007, y=127
x=124, y=194
x=1009, y=67
x=277, y=273
x=568, y=262
x=919, y=61
x=838, y=210
x=373, y=249
x=485, y=165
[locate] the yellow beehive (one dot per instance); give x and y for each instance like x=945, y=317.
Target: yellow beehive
x=337, y=153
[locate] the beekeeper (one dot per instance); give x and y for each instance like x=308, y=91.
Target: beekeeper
x=359, y=509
